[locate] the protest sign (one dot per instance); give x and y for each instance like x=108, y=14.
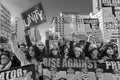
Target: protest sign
x=92, y=29
x=33, y=16
x=73, y=68
x=19, y=73
x=111, y=24
x=110, y=3
x=77, y=64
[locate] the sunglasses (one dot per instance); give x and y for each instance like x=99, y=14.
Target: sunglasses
x=40, y=44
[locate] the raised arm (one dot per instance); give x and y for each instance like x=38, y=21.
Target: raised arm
x=19, y=54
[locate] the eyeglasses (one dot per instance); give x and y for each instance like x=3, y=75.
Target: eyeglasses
x=40, y=44
x=31, y=49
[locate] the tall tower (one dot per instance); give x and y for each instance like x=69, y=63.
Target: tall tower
x=5, y=17
x=18, y=25
x=96, y=5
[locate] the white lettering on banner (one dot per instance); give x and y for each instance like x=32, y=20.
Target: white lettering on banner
x=34, y=17
x=2, y=76
x=12, y=74
x=114, y=64
x=64, y=63
x=54, y=62
x=111, y=2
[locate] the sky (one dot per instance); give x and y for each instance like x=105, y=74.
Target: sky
x=51, y=8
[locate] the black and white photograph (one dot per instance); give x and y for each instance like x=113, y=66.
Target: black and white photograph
x=59, y=39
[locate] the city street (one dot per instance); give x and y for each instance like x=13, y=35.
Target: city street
x=60, y=40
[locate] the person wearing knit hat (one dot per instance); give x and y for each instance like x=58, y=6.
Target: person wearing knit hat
x=78, y=53
x=92, y=47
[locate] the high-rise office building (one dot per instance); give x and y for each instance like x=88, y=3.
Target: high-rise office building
x=68, y=23
x=108, y=13
x=5, y=21
x=18, y=27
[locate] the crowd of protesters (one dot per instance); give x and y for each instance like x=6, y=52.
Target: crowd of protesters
x=32, y=53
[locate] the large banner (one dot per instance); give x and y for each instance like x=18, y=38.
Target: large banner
x=33, y=16
x=19, y=73
x=92, y=29
x=77, y=69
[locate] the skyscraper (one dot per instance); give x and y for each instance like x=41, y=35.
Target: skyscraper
x=18, y=25
x=68, y=23
x=5, y=21
x=108, y=13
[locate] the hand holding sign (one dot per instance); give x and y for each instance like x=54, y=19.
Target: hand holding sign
x=89, y=38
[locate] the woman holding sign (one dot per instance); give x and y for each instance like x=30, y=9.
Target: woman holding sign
x=30, y=58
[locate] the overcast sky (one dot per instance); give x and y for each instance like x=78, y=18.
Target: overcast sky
x=51, y=7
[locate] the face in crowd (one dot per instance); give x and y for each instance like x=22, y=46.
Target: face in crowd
x=98, y=44
x=115, y=47
x=32, y=52
x=109, y=51
x=94, y=53
x=22, y=47
x=40, y=45
x=55, y=51
x=77, y=52
x=5, y=58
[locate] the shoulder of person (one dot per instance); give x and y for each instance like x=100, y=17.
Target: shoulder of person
x=105, y=58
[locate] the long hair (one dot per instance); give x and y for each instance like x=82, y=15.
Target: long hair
x=64, y=51
x=58, y=53
x=36, y=51
x=105, y=50
x=91, y=52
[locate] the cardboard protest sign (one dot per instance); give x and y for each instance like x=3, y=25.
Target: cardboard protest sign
x=92, y=29
x=19, y=73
